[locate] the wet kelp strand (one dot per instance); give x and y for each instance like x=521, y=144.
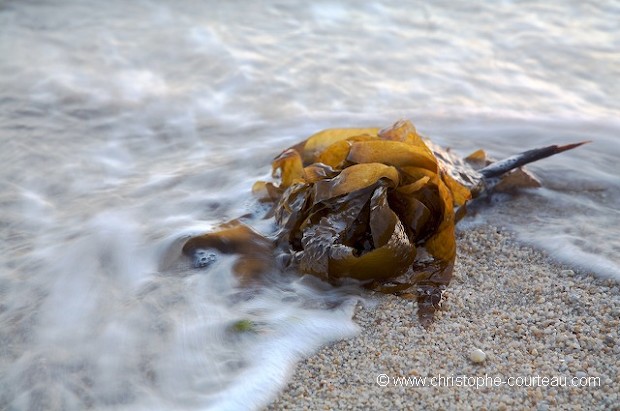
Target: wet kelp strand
x=377, y=206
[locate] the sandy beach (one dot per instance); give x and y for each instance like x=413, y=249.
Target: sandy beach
x=529, y=315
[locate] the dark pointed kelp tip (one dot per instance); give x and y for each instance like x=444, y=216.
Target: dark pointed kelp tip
x=503, y=166
x=571, y=146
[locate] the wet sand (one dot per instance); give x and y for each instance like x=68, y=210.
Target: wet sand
x=529, y=315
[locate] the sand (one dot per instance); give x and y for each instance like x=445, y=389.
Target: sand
x=529, y=315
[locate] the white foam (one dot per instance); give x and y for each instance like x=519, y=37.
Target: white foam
x=563, y=249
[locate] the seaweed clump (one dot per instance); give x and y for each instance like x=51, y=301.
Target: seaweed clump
x=378, y=206
x=367, y=204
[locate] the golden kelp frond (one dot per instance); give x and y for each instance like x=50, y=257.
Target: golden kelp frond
x=232, y=238
x=354, y=178
x=405, y=132
x=318, y=142
x=478, y=156
x=394, y=153
x=517, y=179
x=319, y=171
x=460, y=193
x=266, y=191
x=290, y=167
x=336, y=154
x=254, y=251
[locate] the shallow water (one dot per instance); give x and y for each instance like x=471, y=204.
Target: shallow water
x=127, y=125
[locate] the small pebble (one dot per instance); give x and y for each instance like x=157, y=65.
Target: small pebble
x=477, y=356
x=203, y=258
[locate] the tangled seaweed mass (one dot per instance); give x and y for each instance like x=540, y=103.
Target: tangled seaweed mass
x=373, y=205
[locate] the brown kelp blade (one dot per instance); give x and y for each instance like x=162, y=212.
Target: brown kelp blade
x=500, y=167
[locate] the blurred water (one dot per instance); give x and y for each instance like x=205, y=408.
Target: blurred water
x=126, y=125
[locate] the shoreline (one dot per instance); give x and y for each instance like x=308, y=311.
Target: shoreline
x=530, y=315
